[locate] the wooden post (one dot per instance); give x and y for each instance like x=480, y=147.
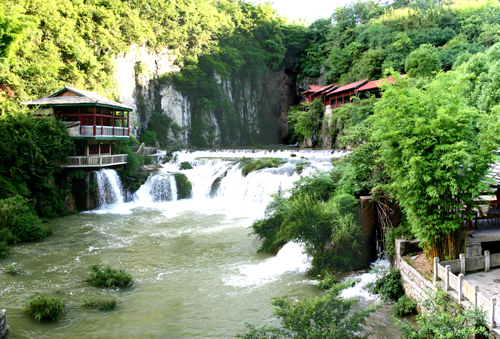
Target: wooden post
x=94, y=121
x=462, y=263
x=447, y=278
x=436, y=262
x=113, y=112
x=493, y=302
x=80, y=119
x=102, y=123
x=474, y=296
x=486, y=261
x=461, y=287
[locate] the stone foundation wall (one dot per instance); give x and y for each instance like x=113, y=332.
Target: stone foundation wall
x=3, y=323
x=414, y=284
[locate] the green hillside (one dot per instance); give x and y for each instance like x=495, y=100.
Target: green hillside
x=366, y=37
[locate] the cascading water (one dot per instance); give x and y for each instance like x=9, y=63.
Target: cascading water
x=158, y=188
x=108, y=187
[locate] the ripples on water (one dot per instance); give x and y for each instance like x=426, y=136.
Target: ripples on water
x=196, y=270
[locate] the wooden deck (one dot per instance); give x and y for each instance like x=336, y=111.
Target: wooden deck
x=96, y=161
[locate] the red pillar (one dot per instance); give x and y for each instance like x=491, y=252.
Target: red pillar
x=95, y=120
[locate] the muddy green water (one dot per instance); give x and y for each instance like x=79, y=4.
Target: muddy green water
x=195, y=267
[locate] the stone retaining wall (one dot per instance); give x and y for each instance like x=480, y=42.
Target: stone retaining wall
x=3, y=323
x=414, y=284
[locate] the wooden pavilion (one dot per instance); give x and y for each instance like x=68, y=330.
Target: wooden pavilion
x=94, y=123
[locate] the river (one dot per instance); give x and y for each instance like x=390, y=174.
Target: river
x=196, y=270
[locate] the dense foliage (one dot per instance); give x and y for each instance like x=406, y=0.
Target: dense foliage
x=44, y=308
x=321, y=212
x=366, y=37
x=19, y=222
x=329, y=316
x=30, y=152
x=106, y=276
x=436, y=150
x=442, y=317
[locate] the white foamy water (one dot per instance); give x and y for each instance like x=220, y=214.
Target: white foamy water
x=291, y=258
x=359, y=290
x=108, y=187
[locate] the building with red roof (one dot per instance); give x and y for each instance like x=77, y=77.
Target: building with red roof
x=336, y=97
x=310, y=91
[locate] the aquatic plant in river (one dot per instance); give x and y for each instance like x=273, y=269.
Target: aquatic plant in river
x=106, y=276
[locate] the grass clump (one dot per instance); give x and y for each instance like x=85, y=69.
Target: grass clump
x=11, y=270
x=102, y=305
x=44, y=308
x=106, y=276
x=185, y=166
x=250, y=165
x=328, y=281
x=404, y=306
x=388, y=284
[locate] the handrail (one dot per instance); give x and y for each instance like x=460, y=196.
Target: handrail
x=445, y=271
x=95, y=161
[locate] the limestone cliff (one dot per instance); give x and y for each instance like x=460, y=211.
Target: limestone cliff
x=261, y=108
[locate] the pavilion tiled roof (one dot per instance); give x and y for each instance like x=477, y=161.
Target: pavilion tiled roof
x=348, y=87
x=313, y=88
x=374, y=84
x=81, y=98
x=325, y=88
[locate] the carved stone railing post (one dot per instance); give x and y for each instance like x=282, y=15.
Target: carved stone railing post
x=493, y=302
x=436, y=262
x=461, y=287
x=447, y=278
x=486, y=261
x=462, y=263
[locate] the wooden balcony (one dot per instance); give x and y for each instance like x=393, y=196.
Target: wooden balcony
x=102, y=131
x=96, y=161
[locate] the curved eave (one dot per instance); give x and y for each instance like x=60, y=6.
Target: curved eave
x=88, y=104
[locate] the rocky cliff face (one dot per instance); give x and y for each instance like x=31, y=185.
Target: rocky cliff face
x=262, y=108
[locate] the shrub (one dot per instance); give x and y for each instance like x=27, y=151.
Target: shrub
x=106, y=276
x=19, y=222
x=250, y=165
x=184, y=186
x=185, y=166
x=4, y=249
x=44, y=308
x=443, y=318
x=404, y=306
x=328, y=281
x=269, y=227
x=388, y=284
x=103, y=305
x=329, y=316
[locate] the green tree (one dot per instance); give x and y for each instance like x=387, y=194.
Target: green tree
x=424, y=61
x=31, y=149
x=324, y=317
x=436, y=150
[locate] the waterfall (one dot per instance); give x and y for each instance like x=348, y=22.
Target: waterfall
x=159, y=187
x=108, y=187
x=217, y=175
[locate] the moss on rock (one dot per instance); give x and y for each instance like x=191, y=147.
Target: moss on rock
x=250, y=165
x=184, y=186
